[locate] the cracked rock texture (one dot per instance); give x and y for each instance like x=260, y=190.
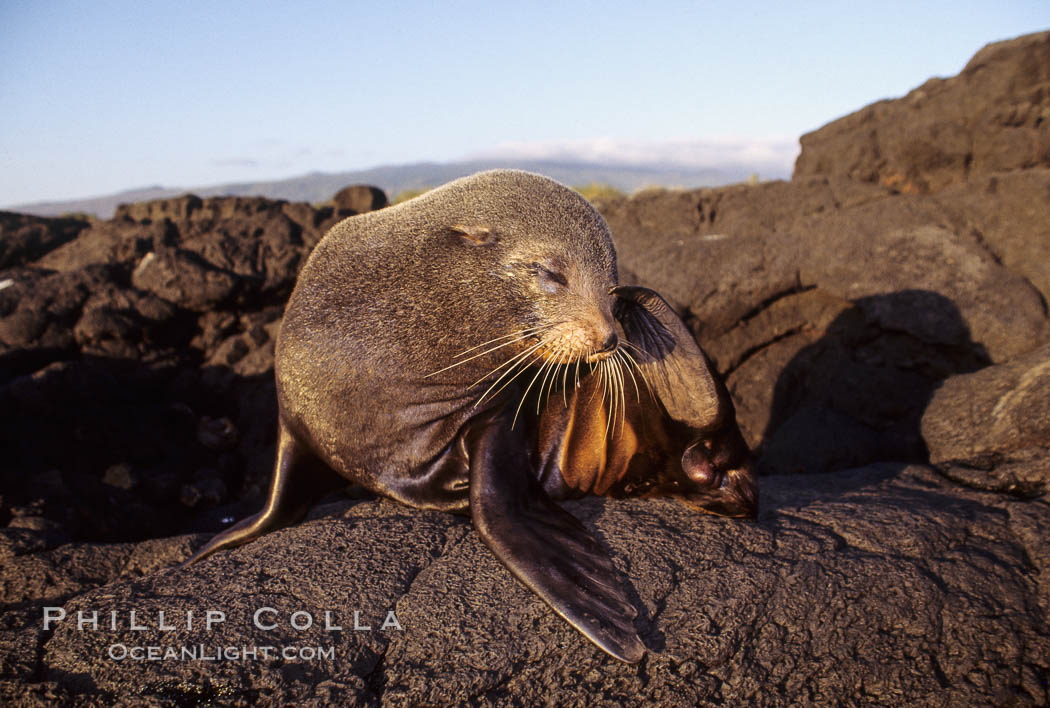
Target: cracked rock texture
x=993, y=117
x=991, y=428
x=25, y=238
x=884, y=584
x=880, y=320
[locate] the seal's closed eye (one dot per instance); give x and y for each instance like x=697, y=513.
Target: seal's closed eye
x=549, y=274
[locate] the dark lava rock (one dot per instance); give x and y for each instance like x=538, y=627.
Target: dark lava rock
x=217, y=433
x=39, y=309
x=885, y=585
x=992, y=117
x=111, y=243
x=881, y=321
x=358, y=199
x=724, y=254
x=210, y=491
x=25, y=238
x=121, y=476
x=147, y=342
x=178, y=208
x=1009, y=213
x=991, y=428
x=833, y=308
x=182, y=278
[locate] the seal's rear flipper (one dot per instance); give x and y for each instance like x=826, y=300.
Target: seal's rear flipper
x=543, y=545
x=669, y=358
x=299, y=479
x=716, y=462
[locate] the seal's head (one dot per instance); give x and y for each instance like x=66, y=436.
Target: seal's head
x=541, y=265
x=569, y=293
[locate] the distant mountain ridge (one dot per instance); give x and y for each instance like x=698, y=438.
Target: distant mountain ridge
x=393, y=179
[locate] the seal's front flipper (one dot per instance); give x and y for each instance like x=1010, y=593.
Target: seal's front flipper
x=299, y=479
x=543, y=545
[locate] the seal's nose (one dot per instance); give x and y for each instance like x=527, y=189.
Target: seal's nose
x=610, y=344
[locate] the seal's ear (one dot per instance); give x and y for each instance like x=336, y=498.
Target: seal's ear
x=677, y=371
x=475, y=234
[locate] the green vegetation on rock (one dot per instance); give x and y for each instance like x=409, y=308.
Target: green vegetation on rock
x=405, y=195
x=596, y=191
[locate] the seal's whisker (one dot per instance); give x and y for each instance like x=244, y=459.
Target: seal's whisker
x=522, y=359
x=642, y=354
x=623, y=392
x=517, y=360
x=528, y=388
x=564, y=383
x=526, y=331
x=627, y=367
x=521, y=369
x=610, y=408
x=562, y=351
x=595, y=389
x=552, y=359
x=487, y=351
x=641, y=372
x=605, y=392
x=543, y=384
x=520, y=355
x=524, y=366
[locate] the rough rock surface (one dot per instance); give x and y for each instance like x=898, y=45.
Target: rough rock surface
x=881, y=321
x=993, y=117
x=1009, y=213
x=129, y=343
x=883, y=584
x=834, y=308
x=25, y=238
x=991, y=428
x=358, y=199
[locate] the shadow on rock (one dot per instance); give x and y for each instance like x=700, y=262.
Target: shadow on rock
x=112, y=449
x=857, y=394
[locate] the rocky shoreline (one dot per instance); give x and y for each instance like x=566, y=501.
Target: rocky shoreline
x=881, y=321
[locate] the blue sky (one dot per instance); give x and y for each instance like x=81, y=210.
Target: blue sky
x=102, y=96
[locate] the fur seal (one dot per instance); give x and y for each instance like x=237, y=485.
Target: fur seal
x=470, y=350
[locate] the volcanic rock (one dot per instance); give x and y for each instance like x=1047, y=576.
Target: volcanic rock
x=991, y=428
x=993, y=117
x=358, y=199
x=25, y=238
x=884, y=584
x=881, y=322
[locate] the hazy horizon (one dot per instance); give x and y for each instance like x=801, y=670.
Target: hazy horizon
x=758, y=159
x=112, y=96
